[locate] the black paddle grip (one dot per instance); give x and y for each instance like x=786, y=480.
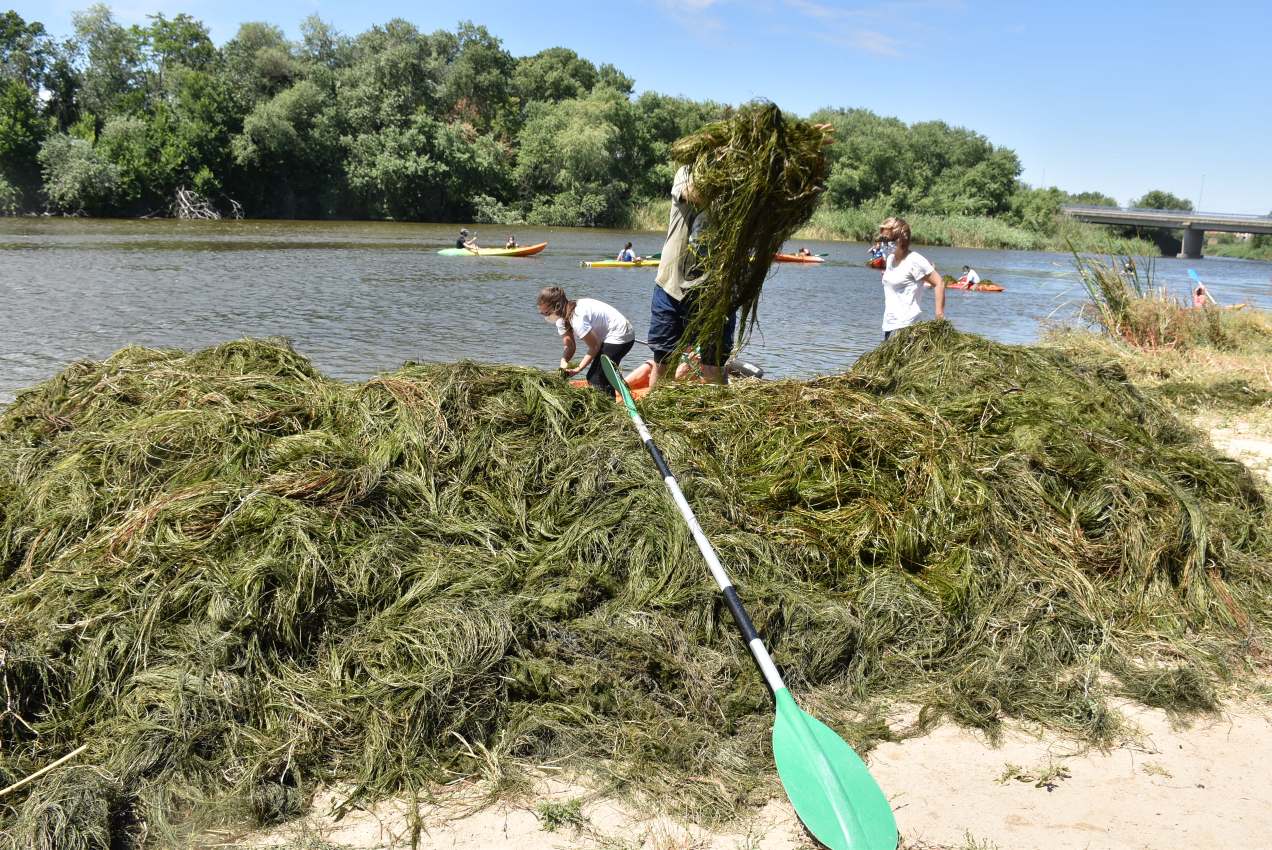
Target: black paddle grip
x=739, y=615
x=658, y=459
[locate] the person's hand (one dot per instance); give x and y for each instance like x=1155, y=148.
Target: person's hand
x=828, y=133
x=574, y=371
x=940, y=314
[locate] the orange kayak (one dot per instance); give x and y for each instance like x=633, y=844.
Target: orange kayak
x=984, y=286
x=876, y=262
x=525, y=251
x=797, y=258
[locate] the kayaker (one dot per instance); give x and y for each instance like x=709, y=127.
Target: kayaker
x=903, y=276
x=627, y=255
x=804, y=252
x=466, y=240
x=512, y=241
x=1199, y=296
x=673, y=305
x=969, y=277
x=599, y=326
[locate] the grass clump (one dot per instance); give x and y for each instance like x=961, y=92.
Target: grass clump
x=759, y=175
x=553, y=816
x=237, y=580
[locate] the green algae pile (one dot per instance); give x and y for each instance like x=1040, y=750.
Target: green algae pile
x=237, y=580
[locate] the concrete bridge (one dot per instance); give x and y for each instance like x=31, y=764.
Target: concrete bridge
x=1194, y=224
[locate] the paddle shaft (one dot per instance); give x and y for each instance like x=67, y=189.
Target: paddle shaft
x=759, y=653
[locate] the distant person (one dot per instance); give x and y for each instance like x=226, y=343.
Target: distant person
x=627, y=255
x=596, y=324
x=804, y=252
x=466, y=240
x=1200, y=296
x=903, y=276
x=969, y=276
x=512, y=241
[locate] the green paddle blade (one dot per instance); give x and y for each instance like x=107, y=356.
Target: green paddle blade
x=828, y=784
x=617, y=382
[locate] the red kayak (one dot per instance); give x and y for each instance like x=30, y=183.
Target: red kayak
x=876, y=262
x=797, y=258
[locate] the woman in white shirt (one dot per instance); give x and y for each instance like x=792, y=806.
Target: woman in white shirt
x=596, y=324
x=903, y=278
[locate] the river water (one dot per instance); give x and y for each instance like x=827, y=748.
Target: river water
x=361, y=297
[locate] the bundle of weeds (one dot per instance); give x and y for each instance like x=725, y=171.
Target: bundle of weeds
x=759, y=175
x=237, y=581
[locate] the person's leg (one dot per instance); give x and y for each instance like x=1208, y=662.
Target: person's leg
x=714, y=358
x=666, y=326
x=596, y=372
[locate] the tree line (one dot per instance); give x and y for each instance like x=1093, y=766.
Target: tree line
x=401, y=124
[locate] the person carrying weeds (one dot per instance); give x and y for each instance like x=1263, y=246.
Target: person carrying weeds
x=674, y=303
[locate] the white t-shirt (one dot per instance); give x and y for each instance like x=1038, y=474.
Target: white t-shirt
x=902, y=286
x=610, y=325
x=972, y=276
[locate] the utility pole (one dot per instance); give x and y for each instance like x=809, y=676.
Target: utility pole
x=1201, y=192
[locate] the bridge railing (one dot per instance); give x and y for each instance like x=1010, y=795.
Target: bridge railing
x=1235, y=217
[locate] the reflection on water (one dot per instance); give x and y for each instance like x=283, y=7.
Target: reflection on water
x=360, y=298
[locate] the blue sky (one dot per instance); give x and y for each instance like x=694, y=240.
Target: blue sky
x=1119, y=97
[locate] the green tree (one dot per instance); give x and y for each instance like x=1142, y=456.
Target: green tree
x=179, y=41
x=393, y=72
x=555, y=74
x=427, y=169
x=575, y=158
x=9, y=199
x=259, y=62
x=289, y=153
x=21, y=132
x=76, y=177
x=1161, y=200
x=476, y=87
x=1091, y=199
x=25, y=50
x=113, y=76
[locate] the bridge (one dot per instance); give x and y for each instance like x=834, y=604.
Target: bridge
x=1194, y=224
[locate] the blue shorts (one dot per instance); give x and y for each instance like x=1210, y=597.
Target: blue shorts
x=668, y=319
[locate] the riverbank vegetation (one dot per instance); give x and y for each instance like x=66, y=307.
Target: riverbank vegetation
x=235, y=580
x=444, y=126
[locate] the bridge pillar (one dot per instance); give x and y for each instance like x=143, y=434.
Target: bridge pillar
x=1193, y=239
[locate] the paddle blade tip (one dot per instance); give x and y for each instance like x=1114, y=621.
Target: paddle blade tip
x=828, y=784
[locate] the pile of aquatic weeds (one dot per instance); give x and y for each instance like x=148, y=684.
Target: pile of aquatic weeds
x=759, y=174
x=237, y=581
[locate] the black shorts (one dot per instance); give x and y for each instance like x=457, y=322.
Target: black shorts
x=615, y=351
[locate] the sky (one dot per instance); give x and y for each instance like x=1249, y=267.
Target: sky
x=1120, y=96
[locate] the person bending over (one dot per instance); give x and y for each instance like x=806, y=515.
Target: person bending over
x=596, y=324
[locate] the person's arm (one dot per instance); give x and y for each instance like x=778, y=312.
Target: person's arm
x=567, y=354
x=938, y=283
x=593, y=343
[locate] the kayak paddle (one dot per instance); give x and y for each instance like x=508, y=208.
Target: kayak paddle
x=1192, y=273
x=827, y=783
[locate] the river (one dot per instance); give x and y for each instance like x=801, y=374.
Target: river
x=361, y=297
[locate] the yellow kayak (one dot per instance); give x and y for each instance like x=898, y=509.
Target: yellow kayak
x=617, y=264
